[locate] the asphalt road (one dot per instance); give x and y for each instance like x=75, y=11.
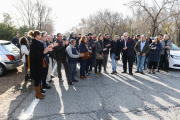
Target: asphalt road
x=116, y=97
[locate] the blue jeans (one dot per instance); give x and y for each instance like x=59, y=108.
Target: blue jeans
x=83, y=67
x=71, y=71
x=114, y=62
x=140, y=62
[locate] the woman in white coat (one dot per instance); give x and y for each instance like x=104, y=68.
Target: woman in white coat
x=25, y=53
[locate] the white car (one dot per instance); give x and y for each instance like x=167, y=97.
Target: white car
x=174, y=58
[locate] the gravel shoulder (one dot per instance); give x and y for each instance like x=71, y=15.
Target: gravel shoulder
x=10, y=95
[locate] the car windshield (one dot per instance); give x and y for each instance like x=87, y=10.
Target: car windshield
x=10, y=47
x=174, y=47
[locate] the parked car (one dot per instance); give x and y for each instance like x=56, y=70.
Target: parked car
x=9, y=56
x=174, y=57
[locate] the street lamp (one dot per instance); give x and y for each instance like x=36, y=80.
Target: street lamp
x=132, y=17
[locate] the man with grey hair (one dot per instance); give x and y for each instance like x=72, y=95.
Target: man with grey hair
x=166, y=45
x=49, y=41
x=128, y=52
x=72, y=55
x=142, y=48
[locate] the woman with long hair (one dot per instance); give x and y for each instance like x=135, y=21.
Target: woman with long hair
x=155, y=54
x=37, y=54
x=99, y=48
x=24, y=52
x=83, y=48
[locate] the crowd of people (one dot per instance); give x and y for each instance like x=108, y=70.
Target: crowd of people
x=46, y=54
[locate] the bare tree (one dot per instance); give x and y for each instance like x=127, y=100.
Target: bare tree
x=36, y=14
x=159, y=12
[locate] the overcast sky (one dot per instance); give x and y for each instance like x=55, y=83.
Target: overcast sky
x=70, y=12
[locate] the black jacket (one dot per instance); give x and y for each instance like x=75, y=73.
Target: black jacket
x=130, y=46
x=15, y=41
x=60, y=51
x=106, y=42
x=36, y=56
x=116, y=47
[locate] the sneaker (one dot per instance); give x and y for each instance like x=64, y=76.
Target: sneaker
x=87, y=74
x=61, y=80
x=100, y=74
x=106, y=72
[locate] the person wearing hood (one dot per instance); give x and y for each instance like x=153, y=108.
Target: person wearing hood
x=107, y=44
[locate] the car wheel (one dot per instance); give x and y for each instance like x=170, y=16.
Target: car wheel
x=2, y=70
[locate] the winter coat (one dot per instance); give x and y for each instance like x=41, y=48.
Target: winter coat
x=130, y=46
x=36, y=56
x=77, y=43
x=82, y=49
x=15, y=41
x=60, y=51
x=97, y=49
x=117, y=50
x=106, y=42
x=24, y=52
x=169, y=43
x=155, y=55
x=145, y=49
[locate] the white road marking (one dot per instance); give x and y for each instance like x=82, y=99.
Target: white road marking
x=28, y=112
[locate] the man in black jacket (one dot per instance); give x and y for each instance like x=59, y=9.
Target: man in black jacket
x=107, y=44
x=77, y=42
x=128, y=52
x=15, y=40
x=91, y=46
x=115, y=51
x=61, y=55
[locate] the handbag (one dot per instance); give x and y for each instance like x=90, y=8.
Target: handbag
x=44, y=63
x=99, y=56
x=86, y=54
